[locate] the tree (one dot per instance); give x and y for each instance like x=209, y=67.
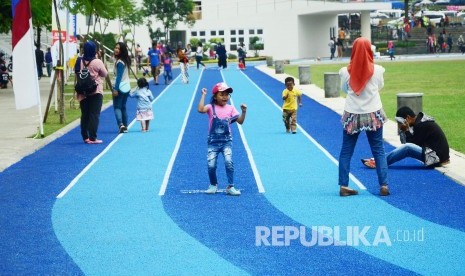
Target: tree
x=155, y=35
x=254, y=45
x=5, y=17
x=132, y=17
x=106, y=39
x=194, y=42
x=216, y=40
x=108, y=9
x=41, y=17
x=170, y=12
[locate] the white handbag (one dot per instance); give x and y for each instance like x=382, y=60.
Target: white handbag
x=124, y=87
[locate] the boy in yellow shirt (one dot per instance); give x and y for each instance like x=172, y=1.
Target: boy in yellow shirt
x=291, y=97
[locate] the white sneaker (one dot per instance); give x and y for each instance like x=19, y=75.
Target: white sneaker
x=230, y=190
x=211, y=189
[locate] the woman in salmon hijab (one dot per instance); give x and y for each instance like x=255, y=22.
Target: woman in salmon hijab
x=362, y=80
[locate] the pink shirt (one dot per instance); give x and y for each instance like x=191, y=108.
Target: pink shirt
x=222, y=112
x=98, y=71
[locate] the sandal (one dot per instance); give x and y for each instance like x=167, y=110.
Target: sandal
x=370, y=163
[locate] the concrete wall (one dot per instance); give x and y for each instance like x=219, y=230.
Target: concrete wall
x=314, y=34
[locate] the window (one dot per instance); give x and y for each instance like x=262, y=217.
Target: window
x=213, y=33
x=221, y=32
x=193, y=33
x=241, y=39
x=198, y=5
x=259, y=31
x=233, y=32
x=233, y=47
x=233, y=40
x=241, y=32
x=202, y=33
x=252, y=31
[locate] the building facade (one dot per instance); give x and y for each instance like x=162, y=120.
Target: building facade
x=288, y=29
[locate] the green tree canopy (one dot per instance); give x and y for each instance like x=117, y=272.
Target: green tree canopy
x=255, y=45
x=41, y=15
x=155, y=35
x=131, y=17
x=170, y=12
x=5, y=16
x=108, y=9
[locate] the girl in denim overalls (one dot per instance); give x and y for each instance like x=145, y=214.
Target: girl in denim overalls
x=220, y=115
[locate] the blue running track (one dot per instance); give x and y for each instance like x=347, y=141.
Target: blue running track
x=135, y=204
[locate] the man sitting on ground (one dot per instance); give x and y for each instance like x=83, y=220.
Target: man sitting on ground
x=422, y=138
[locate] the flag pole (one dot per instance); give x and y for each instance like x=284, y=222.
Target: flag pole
x=39, y=102
x=23, y=50
x=40, y=133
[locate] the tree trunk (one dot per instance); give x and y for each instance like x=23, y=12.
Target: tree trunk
x=406, y=10
x=166, y=34
x=59, y=70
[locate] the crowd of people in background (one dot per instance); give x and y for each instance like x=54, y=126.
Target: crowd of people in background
x=159, y=57
x=153, y=59
x=195, y=54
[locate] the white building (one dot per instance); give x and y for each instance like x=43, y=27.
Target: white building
x=289, y=29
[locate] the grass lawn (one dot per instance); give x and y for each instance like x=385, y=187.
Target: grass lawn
x=441, y=82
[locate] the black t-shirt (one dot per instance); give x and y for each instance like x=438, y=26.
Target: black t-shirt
x=429, y=134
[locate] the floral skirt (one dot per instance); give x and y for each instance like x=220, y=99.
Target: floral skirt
x=144, y=114
x=354, y=123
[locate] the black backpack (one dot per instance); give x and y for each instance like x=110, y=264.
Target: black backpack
x=85, y=85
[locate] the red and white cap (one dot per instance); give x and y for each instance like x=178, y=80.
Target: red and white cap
x=220, y=87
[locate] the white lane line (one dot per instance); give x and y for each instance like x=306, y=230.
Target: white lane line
x=351, y=176
x=164, y=184
x=76, y=179
x=258, y=180
x=253, y=165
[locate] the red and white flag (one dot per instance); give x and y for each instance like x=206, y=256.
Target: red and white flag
x=25, y=80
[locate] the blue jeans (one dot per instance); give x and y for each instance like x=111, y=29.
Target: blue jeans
x=212, y=156
x=168, y=76
x=404, y=151
x=49, y=69
x=375, y=138
x=119, y=105
x=198, y=59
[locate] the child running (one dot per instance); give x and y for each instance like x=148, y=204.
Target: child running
x=290, y=105
x=221, y=115
x=184, y=65
x=144, y=103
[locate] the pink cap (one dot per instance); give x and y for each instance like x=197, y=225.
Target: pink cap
x=220, y=87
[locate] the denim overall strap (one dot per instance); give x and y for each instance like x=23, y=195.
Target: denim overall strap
x=219, y=130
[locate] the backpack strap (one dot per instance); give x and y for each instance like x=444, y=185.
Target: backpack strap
x=84, y=62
